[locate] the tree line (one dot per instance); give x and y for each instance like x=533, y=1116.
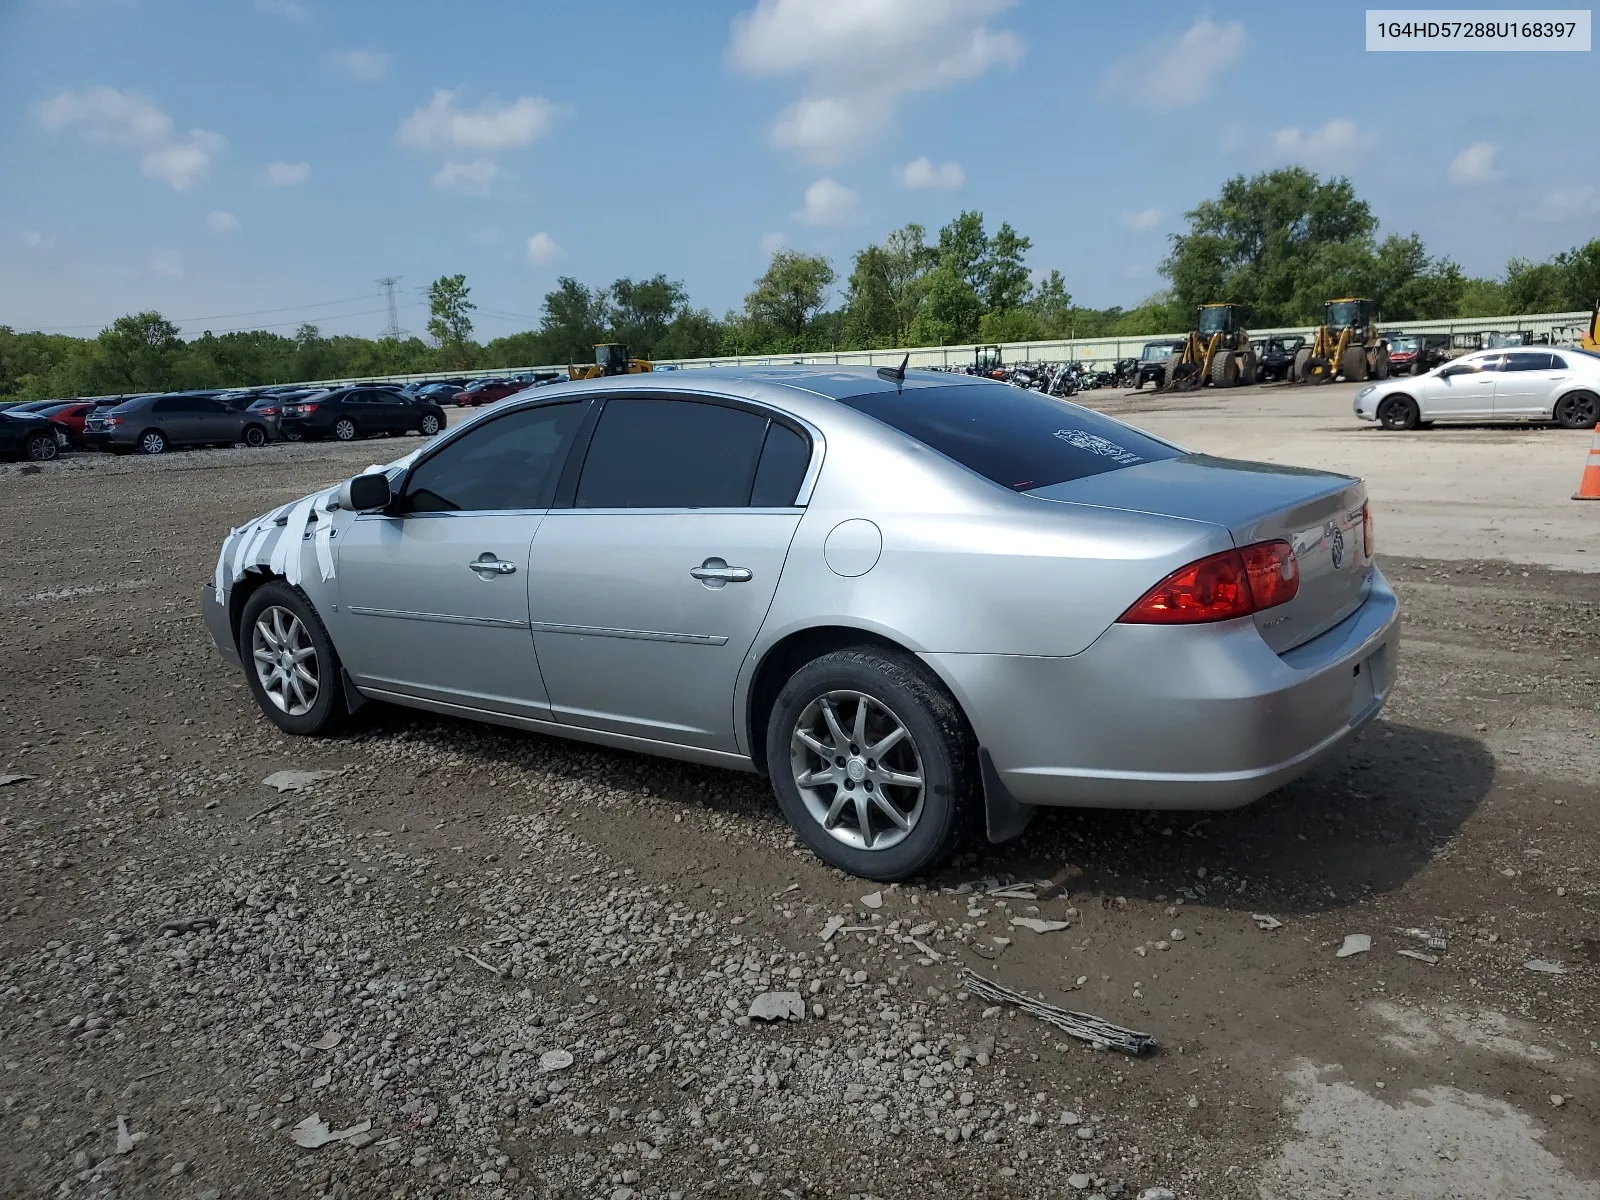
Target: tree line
x=1280, y=243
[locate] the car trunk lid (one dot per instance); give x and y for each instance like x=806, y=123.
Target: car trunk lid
x=1319, y=513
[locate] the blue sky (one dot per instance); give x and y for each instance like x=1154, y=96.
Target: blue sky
x=216, y=157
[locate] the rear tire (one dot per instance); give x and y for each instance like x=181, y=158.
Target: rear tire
x=279, y=620
x=345, y=429
x=1354, y=364
x=935, y=746
x=1169, y=373
x=1302, y=365
x=152, y=441
x=1224, y=369
x=1399, y=413
x=41, y=446
x=1380, y=363
x=1578, y=410
x=1249, y=370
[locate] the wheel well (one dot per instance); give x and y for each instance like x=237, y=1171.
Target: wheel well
x=1393, y=396
x=243, y=588
x=254, y=425
x=785, y=658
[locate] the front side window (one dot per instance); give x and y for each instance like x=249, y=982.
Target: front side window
x=649, y=453
x=511, y=462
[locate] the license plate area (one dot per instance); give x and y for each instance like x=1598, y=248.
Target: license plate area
x=1369, y=683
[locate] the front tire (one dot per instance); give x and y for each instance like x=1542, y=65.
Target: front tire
x=1354, y=365
x=344, y=429
x=1399, y=413
x=1224, y=369
x=41, y=447
x=1302, y=365
x=1578, y=410
x=255, y=437
x=292, y=668
x=872, y=762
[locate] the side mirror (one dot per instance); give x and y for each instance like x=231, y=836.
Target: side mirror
x=365, y=493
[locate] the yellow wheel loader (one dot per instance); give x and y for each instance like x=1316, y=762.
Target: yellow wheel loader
x=1217, y=351
x=1347, y=343
x=610, y=358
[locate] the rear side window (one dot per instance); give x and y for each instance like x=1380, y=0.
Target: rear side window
x=1525, y=360
x=782, y=469
x=511, y=462
x=671, y=454
x=1017, y=438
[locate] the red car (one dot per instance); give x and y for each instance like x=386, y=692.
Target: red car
x=487, y=391
x=70, y=415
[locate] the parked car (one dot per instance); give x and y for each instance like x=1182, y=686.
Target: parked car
x=1492, y=385
x=70, y=415
x=35, y=405
x=1153, y=362
x=350, y=413
x=158, y=423
x=1275, y=357
x=30, y=436
x=1416, y=353
x=708, y=583
x=487, y=391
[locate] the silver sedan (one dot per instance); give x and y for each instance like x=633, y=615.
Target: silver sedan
x=918, y=602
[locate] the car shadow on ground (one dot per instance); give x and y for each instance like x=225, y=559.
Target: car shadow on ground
x=1362, y=823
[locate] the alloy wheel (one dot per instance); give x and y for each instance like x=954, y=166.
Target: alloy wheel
x=285, y=660
x=42, y=449
x=152, y=443
x=1578, y=411
x=344, y=429
x=430, y=425
x=857, y=770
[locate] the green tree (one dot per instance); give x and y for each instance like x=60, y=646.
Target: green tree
x=573, y=319
x=136, y=354
x=1005, y=277
x=1052, y=305
x=450, y=317
x=887, y=286
x=642, y=311
x=694, y=333
x=789, y=295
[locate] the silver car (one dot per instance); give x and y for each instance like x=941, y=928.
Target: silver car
x=1535, y=384
x=914, y=600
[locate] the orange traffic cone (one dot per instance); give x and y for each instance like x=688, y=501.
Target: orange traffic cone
x=1589, y=485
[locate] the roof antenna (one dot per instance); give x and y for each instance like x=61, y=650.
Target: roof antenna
x=895, y=374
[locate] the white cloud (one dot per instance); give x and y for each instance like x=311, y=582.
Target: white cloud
x=1567, y=204
x=104, y=116
x=34, y=240
x=771, y=243
x=1142, y=221
x=858, y=59
x=542, y=250
x=1178, y=72
x=494, y=125
x=285, y=10
x=1475, y=164
x=471, y=178
x=166, y=262
x=922, y=173
x=221, y=222
x=1336, y=146
x=287, y=174
x=362, y=65
x=828, y=203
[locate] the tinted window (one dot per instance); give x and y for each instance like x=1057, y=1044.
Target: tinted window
x=1557, y=363
x=511, y=462
x=170, y=404
x=208, y=406
x=1527, y=360
x=782, y=469
x=1017, y=438
x=671, y=454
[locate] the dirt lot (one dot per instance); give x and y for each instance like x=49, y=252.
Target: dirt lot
x=407, y=939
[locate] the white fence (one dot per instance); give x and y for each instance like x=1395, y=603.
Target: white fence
x=1101, y=352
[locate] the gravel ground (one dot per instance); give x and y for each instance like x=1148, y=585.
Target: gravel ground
x=528, y=964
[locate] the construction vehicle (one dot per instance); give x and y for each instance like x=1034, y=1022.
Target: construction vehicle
x=1217, y=351
x=986, y=361
x=1347, y=343
x=610, y=358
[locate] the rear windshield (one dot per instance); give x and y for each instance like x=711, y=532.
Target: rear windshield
x=1017, y=438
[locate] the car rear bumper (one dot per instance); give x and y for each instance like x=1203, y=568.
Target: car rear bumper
x=217, y=624
x=1169, y=717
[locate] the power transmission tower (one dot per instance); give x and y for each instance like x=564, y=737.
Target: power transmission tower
x=389, y=283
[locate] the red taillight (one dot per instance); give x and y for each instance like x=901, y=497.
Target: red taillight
x=1368, y=542
x=113, y=420
x=267, y=412
x=306, y=408
x=1232, y=584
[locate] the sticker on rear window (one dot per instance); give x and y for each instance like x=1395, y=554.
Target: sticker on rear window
x=1095, y=444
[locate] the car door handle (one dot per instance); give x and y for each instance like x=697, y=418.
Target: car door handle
x=715, y=573
x=487, y=565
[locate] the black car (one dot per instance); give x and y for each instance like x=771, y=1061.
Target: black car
x=1153, y=362
x=1275, y=357
x=155, y=424
x=30, y=436
x=350, y=413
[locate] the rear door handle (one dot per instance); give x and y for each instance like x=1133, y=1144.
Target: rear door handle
x=488, y=565
x=716, y=573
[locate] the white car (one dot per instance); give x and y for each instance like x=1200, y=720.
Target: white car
x=1532, y=384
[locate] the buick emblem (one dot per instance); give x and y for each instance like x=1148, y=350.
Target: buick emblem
x=1336, y=551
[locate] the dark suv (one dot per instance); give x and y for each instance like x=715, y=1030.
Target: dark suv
x=1275, y=357
x=1153, y=362
x=349, y=413
x=155, y=424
